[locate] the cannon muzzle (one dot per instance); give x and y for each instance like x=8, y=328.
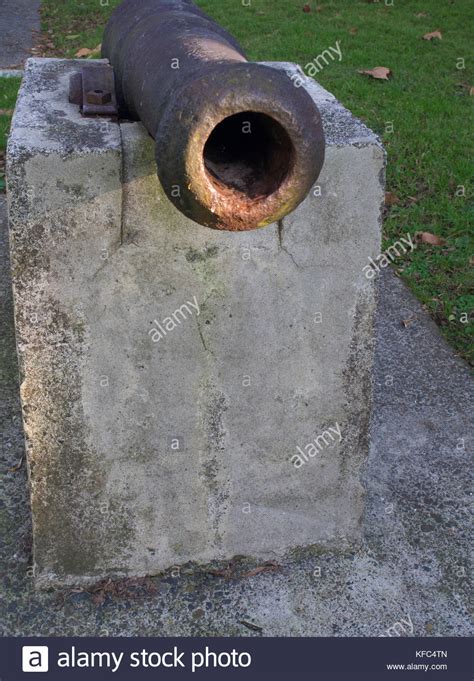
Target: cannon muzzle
x=238, y=144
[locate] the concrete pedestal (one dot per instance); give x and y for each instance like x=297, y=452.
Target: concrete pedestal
x=188, y=394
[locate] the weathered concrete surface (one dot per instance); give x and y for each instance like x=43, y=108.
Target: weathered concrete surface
x=150, y=449
x=414, y=560
x=18, y=19
x=65, y=204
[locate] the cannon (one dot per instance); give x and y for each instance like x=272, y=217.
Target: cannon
x=238, y=144
x=143, y=448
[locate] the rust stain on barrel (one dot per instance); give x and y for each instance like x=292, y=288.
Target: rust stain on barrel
x=238, y=145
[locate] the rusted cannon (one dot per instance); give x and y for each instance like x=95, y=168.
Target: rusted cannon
x=238, y=145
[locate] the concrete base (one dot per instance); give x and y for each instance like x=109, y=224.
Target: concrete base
x=414, y=561
x=188, y=395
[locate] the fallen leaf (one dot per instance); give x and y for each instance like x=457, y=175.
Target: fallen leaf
x=421, y=14
x=353, y=30
x=379, y=72
x=83, y=52
x=429, y=627
x=249, y=625
x=306, y=8
x=433, y=35
x=391, y=199
x=429, y=238
x=406, y=322
x=16, y=468
x=6, y=112
x=62, y=596
x=219, y=573
x=254, y=572
x=129, y=588
x=471, y=91
x=99, y=598
x=270, y=566
x=226, y=572
x=72, y=37
x=97, y=49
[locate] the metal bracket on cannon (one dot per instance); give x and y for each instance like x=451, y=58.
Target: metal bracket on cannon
x=93, y=90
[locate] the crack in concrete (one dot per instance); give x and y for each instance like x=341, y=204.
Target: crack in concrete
x=281, y=227
x=201, y=336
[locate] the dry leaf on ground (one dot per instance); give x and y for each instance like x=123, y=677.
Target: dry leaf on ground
x=251, y=626
x=306, y=8
x=379, y=72
x=353, y=30
x=86, y=52
x=99, y=598
x=429, y=238
x=83, y=52
x=227, y=571
x=406, y=322
x=433, y=35
x=268, y=567
x=391, y=199
x=128, y=588
x=466, y=86
x=17, y=467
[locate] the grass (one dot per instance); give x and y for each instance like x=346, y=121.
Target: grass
x=8, y=91
x=421, y=113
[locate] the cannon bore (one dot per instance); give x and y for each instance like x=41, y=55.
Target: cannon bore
x=238, y=144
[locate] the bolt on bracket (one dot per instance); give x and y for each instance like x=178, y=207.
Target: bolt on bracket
x=93, y=90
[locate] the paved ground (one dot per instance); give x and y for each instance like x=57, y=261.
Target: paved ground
x=18, y=19
x=409, y=577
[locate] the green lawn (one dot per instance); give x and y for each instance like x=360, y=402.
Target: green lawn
x=422, y=112
x=8, y=92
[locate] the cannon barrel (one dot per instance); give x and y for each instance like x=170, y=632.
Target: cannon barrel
x=238, y=144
